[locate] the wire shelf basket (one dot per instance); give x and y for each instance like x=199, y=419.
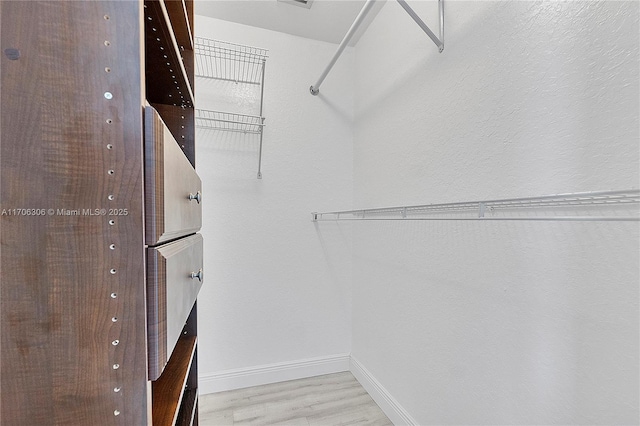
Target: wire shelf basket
x=226, y=61
x=221, y=60
x=228, y=121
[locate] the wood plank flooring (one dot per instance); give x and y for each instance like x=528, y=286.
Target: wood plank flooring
x=330, y=400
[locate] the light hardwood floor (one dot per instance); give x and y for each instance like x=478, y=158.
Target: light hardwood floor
x=330, y=400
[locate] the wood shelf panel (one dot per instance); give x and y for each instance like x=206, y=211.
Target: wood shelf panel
x=169, y=389
x=187, y=412
x=182, y=28
x=181, y=124
x=167, y=79
x=68, y=145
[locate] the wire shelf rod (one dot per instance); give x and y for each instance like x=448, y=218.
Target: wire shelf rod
x=217, y=120
x=232, y=122
x=207, y=111
x=532, y=218
x=234, y=48
x=226, y=61
x=598, y=199
x=229, y=121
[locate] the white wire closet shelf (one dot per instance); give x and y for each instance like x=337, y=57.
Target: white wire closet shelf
x=226, y=61
x=622, y=205
x=228, y=121
x=221, y=60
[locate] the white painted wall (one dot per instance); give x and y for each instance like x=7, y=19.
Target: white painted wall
x=451, y=322
x=276, y=303
x=498, y=322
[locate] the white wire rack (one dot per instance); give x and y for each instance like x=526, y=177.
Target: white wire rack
x=623, y=205
x=228, y=121
x=229, y=61
x=221, y=60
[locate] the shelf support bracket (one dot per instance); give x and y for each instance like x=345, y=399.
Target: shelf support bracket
x=439, y=41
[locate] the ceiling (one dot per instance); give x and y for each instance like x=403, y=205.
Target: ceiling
x=326, y=20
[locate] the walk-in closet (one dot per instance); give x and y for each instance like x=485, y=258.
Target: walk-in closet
x=320, y=212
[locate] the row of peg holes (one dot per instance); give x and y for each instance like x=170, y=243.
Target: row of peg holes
x=165, y=56
x=175, y=80
x=108, y=96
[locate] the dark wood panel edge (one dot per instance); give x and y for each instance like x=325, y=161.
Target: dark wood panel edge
x=168, y=390
x=191, y=329
x=189, y=8
x=189, y=55
x=153, y=174
x=177, y=51
x=179, y=18
x=156, y=314
x=188, y=408
x=181, y=123
x=160, y=25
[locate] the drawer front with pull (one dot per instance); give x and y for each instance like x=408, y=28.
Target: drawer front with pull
x=174, y=278
x=173, y=190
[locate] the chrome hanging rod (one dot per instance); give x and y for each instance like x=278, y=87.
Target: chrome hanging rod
x=315, y=89
x=549, y=208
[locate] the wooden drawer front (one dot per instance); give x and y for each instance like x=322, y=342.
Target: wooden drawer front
x=172, y=287
x=172, y=187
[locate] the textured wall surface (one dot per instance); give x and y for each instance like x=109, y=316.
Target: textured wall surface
x=461, y=322
x=499, y=323
x=273, y=292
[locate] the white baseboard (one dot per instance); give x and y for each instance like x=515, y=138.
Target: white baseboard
x=300, y=369
x=272, y=373
x=396, y=413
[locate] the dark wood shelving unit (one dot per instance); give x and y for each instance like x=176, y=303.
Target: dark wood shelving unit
x=169, y=393
x=76, y=78
x=169, y=89
x=167, y=79
x=169, y=75
x=181, y=123
x=181, y=15
x=188, y=413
